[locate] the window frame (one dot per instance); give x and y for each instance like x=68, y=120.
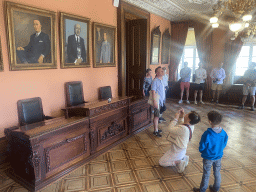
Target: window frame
x=235, y=78
x=183, y=59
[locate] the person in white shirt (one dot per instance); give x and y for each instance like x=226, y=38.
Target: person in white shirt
x=200, y=76
x=165, y=81
x=179, y=135
x=217, y=75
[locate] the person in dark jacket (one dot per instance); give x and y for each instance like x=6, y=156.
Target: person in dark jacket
x=38, y=48
x=211, y=147
x=76, y=47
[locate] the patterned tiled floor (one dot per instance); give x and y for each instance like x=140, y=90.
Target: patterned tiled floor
x=133, y=165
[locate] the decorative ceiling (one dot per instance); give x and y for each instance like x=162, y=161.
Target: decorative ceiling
x=177, y=10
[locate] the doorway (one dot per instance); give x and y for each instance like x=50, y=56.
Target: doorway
x=133, y=46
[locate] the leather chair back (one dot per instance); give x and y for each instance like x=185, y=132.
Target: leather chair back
x=74, y=93
x=105, y=92
x=30, y=111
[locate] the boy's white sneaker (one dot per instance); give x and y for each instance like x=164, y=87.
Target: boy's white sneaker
x=195, y=102
x=181, y=166
x=201, y=102
x=180, y=101
x=186, y=159
x=187, y=102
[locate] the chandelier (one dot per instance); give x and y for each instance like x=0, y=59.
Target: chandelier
x=239, y=13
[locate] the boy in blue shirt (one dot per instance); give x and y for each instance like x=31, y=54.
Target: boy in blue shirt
x=211, y=147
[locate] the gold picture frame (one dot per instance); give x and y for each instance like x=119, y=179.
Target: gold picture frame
x=165, y=51
x=1, y=57
x=155, y=45
x=104, y=45
x=75, y=41
x=32, y=37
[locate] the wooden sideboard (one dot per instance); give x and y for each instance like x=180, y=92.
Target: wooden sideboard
x=41, y=153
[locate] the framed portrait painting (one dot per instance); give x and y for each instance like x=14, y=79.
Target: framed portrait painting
x=75, y=41
x=32, y=37
x=155, y=45
x=104, y=41
x=166, y=40
x=1, y=58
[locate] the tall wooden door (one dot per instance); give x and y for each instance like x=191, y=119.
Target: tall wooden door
x=136, y=56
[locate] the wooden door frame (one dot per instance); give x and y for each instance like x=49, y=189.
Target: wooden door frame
x=121, y=41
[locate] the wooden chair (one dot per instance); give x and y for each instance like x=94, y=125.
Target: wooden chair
x=74, y=93
x=105, y=93
x=31, y=111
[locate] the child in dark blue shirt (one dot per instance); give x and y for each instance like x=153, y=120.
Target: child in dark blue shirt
x=211, y=147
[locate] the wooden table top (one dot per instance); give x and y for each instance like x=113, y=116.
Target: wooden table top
x=44, y=127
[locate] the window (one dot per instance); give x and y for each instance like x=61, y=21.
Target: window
x=189, y=55
x=246, y=56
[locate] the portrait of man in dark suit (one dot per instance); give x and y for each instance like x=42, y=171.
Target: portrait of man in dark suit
x=76, y=47
x=38, y=47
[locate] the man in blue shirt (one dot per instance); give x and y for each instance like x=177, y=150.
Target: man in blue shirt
x=185, y=75
x=217, y=75
x=158, y=94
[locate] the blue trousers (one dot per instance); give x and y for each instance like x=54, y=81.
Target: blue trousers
x=206, y=174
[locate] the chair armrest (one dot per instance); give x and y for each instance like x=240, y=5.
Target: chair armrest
x=48, y=117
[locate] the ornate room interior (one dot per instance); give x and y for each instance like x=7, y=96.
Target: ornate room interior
x=93, y=131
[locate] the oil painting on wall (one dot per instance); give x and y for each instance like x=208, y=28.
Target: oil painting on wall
x=32, y=38
x=75, y=41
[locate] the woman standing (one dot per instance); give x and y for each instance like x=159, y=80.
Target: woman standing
x=147, y=83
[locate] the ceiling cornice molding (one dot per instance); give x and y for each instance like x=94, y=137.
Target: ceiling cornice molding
x=174, y=10
x=153, y=7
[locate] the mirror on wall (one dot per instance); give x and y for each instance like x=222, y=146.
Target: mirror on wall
x=155, y=45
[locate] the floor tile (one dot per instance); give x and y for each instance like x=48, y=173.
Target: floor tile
x=153, y=187
x=125, y=177
x=100, y=181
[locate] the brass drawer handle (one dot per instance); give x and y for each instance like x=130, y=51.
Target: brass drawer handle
x=75, y=138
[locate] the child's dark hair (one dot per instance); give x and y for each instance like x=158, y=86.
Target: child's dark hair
x=215, y=117
x=194, y=117
x=148, y=70
x=157, y=69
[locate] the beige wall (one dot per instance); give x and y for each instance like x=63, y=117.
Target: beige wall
x=164, y=24
x=49, y=84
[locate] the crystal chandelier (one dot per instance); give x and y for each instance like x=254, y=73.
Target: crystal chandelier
x=241, y=13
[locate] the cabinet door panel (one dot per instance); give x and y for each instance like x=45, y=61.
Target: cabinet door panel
x=65, y=151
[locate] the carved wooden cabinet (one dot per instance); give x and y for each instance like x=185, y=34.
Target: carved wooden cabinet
x=108, y=128
x=108, y=122
x=140, y=115
x=43, y=152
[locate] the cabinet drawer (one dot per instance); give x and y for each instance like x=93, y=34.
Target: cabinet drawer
x=65, y=151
